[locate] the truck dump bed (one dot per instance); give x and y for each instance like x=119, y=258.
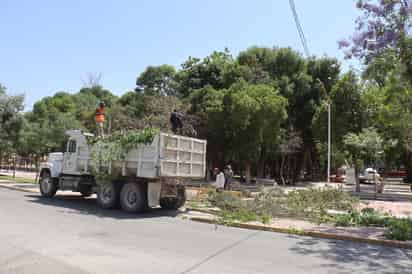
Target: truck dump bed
x=168, y=156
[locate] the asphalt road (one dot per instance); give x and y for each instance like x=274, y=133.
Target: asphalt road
x=72, y=235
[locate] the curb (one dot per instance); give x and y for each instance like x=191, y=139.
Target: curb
x=207, y=211
x=16, y=188
x=311, y=233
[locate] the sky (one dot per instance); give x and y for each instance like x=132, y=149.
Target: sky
x=48, y=46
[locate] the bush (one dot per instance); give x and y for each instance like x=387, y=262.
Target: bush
x=269, y=202
x=233, y=208
x=370, y=217
x=315, y=203
x=399, y=229
x=345, y=220
x=225, y=200
x=272, y=202
x=243, y=215
x=367, y=217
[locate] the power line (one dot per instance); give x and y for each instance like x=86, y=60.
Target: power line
x=299, y=28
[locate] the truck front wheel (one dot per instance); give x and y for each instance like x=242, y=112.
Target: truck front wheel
x=48, y=187
x=108, y=195
x=133, y=197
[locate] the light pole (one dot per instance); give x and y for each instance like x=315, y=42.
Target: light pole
x=329, y=140
x=329, y=129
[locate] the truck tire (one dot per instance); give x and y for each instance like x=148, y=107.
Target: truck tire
x=133, y=197
x=108, y=195
x=47, y=185
x=174, y=203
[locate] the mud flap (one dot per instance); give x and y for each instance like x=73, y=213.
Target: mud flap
x=153, y=194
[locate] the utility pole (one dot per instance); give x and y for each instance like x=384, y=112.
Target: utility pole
x=329, y=140
x=329, y=103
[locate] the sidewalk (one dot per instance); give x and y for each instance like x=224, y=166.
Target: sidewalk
x=20, y=174
x=369, y=235
x=26, y=187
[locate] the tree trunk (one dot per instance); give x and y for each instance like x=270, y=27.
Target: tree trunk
x=358, y=190
x=248, y=172
x=37, y=163
x=14, y=167
x=209, y=167
x=282, y=163
x=408, y=165
x=261, y=167
x=261, y=163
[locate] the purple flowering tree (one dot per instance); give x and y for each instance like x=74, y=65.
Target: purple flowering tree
x=383, y=24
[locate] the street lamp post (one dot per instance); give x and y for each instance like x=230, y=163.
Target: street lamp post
x=329, y=141
x=329, y=130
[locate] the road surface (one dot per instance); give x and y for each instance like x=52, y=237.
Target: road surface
x=72, y=235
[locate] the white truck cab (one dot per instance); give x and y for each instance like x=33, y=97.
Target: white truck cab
x=150, y=175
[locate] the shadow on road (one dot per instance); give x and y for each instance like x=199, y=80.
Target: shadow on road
x=75, y=204
x=345, y=255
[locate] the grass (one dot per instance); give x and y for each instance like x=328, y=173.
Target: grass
x=17, y=179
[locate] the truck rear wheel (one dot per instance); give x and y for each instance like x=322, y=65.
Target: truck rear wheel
x=108, y=195
x=174, y=203
x=133, y=197
x=48, y=187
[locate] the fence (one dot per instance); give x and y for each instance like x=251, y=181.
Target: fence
x=13, y=164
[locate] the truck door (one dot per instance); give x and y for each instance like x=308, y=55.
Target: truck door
x=70, y=158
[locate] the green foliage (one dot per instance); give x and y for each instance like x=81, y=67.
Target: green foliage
x=234, y=209
x=367, y=145
x=217, y=70
x=270, y=202
x=399, y=229
x=254, y=114
x=346, y=110
x=224, y=200
x=17, y=179
x=157, y=81
x=396, y=229
x=367, y=217
x=242, y=215
x=10, y=120
x=314, y=203
x=115, y=148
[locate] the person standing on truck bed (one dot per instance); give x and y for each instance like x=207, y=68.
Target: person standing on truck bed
x=176, y=121
x=99, y=118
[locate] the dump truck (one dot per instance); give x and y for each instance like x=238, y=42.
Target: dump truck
x=149, y=175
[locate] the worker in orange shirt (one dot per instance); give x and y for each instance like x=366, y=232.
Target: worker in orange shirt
x=99, y=118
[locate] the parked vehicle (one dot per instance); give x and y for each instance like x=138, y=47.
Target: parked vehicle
x=401, y=174
x=150, y=175
x=369, y=175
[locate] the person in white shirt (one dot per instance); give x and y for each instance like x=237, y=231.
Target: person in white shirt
x=220, y=179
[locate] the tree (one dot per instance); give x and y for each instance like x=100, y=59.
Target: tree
x=347, y=116
x=10, y=120
x=253, y=114
x=217, y=70
x=157, y=81
x=383, y=30
x=206, y=104
x=366, y=145
x=382, y=25
x=290, y=144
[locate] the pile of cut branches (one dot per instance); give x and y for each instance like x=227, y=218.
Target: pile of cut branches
x=115, y=148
